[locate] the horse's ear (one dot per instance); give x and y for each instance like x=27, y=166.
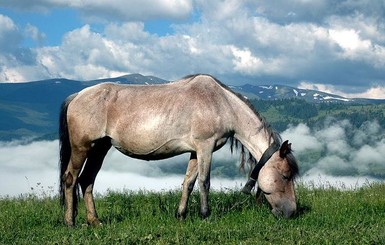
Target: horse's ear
x=285, y=149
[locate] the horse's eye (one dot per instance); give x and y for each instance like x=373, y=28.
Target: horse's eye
x=284, y=177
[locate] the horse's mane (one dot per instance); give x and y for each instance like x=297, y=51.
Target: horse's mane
x=274, y=135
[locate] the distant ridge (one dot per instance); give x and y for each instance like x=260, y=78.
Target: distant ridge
x=132, y=79
x=30, y=110
x=278, y=92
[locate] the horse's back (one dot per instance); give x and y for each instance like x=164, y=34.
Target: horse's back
x=151, y=119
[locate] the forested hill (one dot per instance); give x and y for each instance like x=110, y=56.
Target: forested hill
x=281, y=113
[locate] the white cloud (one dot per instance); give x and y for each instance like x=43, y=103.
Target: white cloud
x=249, y=41
x=88, y=55
x=336, y=135
x=302, y=138
x=135, y=9
x=33, y=169
x=35, y=34
x=359, y=37
x=374, y=93
x=355, y=48
x=318, y=86
x=349, y=40
x=370, y=155
x=245, y=62
x=345, y=151
x=113, y=9
x=9, y=34
x=17, y=63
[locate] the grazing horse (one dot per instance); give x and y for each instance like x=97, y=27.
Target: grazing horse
x=197, y=114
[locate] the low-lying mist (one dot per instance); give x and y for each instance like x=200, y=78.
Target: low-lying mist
x=337, y=148
x=333, y=154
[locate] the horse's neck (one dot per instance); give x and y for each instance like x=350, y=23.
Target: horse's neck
x=251, y=132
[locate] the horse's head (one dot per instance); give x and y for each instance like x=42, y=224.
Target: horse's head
x=276, y=180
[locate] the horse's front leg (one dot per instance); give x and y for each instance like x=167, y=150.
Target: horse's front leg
x=188, y=185
x=204, y=165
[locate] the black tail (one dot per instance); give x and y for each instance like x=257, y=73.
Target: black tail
x=65, y=146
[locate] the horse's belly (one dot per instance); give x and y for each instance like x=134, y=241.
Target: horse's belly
x=153, y=152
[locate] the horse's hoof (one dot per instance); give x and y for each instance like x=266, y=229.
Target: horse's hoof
x=95, y=223
x=205, y=214
x=69, y=224
x=180, y=216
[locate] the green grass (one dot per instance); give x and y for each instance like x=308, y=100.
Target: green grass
x=326, y=216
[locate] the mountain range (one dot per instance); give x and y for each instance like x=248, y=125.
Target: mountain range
x=30, y=110
x=279, y=92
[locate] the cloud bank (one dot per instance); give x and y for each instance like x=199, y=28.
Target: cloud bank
x=338, y=149
x=33, y=168
x=336, y=43
x=334, y=154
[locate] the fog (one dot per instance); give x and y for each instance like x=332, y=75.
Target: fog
x=350, y=158
x=337, y=148
x=33, y=169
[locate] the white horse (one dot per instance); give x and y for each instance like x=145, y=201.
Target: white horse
x=197, y=114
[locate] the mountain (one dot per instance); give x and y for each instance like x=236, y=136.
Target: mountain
x=279, y=92
x=31, y=110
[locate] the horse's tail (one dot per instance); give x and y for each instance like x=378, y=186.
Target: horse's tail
x=64, y=145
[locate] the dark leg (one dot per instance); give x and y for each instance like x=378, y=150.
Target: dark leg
x=87, y=177
x=258, y=196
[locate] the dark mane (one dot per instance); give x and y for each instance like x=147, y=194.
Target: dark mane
x=274, y=135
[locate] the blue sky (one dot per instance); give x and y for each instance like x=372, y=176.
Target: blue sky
x=53, y=32
x=334, y=46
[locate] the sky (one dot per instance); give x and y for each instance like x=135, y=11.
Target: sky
x=335, y=46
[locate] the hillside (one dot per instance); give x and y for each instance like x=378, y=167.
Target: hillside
x=283, y=112
x=30, y=110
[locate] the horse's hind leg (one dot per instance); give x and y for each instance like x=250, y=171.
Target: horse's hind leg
x=188, y=185
x=78, y=156
x=87, y=177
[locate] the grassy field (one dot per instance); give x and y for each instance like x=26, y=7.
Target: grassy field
x=326, y=216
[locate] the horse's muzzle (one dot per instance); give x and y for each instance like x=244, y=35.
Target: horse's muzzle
x=286, y=211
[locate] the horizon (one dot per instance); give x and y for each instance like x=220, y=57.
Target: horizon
x=301, y=86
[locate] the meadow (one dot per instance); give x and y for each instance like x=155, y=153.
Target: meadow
x=326, y=215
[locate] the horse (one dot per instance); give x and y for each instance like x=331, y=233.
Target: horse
x=196, y=114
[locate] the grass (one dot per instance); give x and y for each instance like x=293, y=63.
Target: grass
x=326, y=216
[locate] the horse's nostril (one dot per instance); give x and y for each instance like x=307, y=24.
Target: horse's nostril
x=284, y=212
x=289, y=214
